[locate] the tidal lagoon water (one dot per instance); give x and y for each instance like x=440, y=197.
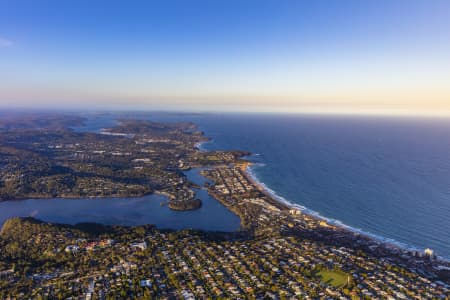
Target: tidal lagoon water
x=126, y=211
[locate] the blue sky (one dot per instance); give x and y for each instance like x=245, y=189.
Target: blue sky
x=303, y=56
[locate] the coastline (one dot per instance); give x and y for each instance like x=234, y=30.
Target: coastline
x=391, y=243
x=246, y=166
x=199, y=145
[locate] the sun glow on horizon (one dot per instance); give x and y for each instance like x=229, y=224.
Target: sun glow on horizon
x=385, y=57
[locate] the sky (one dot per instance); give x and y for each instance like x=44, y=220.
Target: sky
x=319, y=56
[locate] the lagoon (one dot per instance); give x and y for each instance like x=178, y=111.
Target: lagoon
x=126, y=211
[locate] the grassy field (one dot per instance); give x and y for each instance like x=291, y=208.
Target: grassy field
x=335, y=278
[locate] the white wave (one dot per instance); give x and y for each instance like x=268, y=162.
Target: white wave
x=259, y=164
x=250, y=171
x=200, y=146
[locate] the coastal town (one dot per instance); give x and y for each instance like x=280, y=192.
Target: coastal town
x=225, y=150
x=280, y=251
x=43, y=158
x=58, y=262
x=262, y=215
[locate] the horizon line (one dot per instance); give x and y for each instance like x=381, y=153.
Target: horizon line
x=350, y=113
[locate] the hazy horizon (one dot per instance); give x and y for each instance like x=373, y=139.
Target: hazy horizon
x=321, y=57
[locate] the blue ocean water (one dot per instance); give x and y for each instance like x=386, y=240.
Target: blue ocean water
x=389, y=177
x=385, y=176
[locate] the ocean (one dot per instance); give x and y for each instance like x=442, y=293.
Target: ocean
x=385, y=176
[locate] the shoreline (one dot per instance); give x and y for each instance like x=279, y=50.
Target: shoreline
x=391, y=243
x=199, y=145
x=245, y=164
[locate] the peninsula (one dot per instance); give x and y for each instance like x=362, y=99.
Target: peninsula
x=279, y=252
x=42, y=157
